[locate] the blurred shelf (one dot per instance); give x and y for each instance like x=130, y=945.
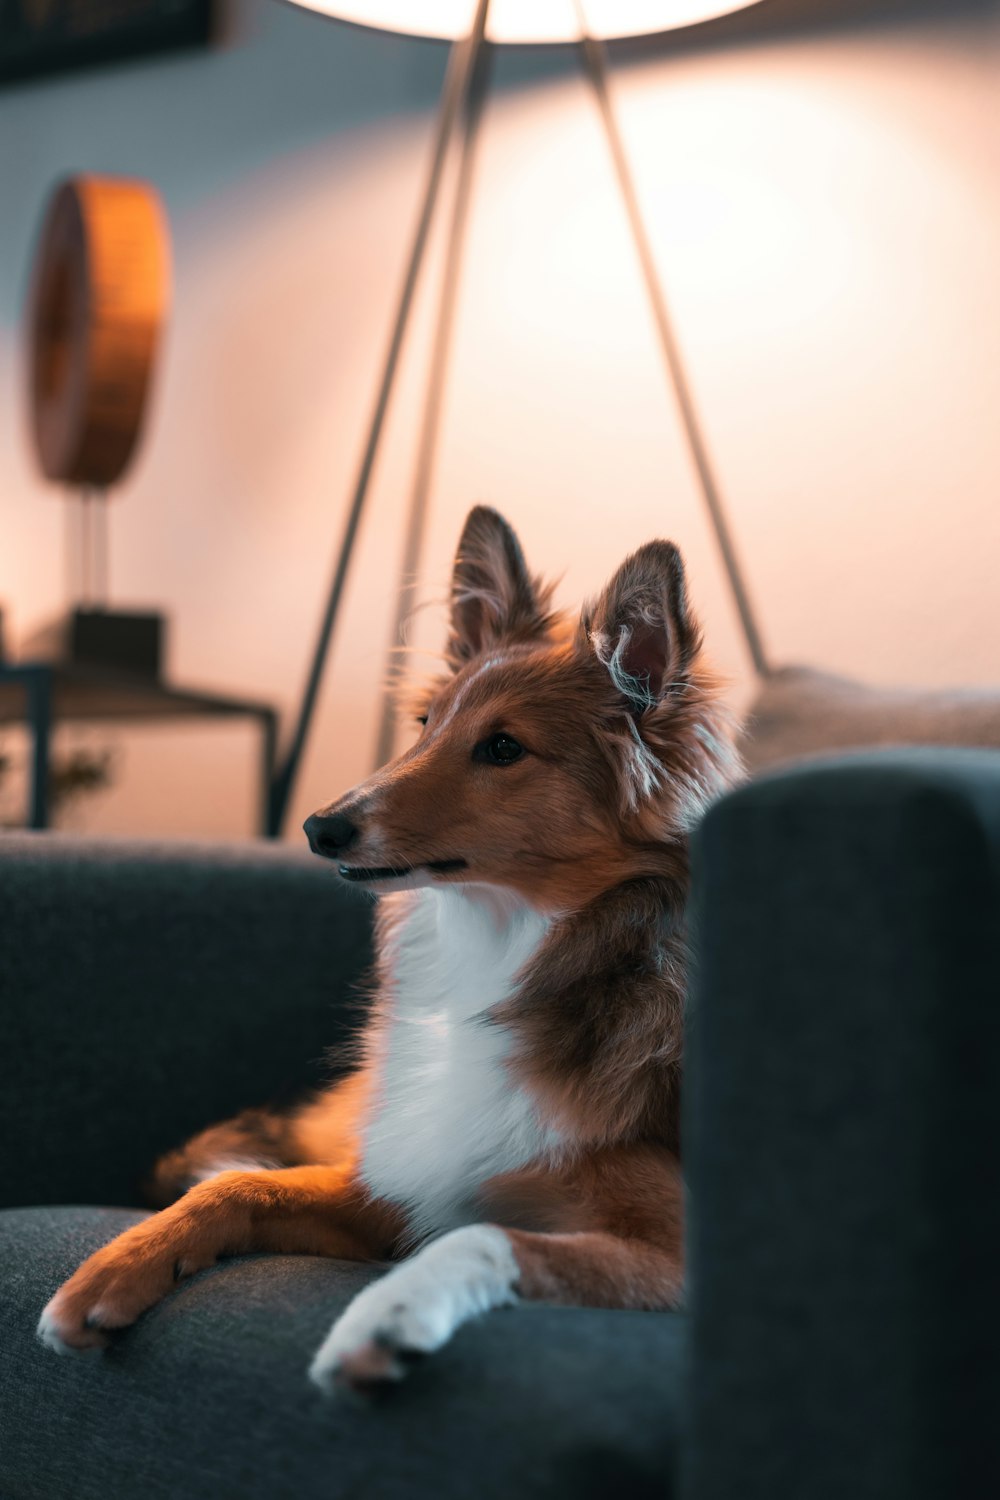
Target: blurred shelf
x=40, y=694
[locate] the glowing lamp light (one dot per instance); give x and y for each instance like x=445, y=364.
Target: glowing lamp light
x=526, y=21
x=472, y=26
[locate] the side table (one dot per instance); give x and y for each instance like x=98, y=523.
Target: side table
x=41, y=693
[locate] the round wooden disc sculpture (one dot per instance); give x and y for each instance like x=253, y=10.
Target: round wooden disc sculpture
x=99, y=301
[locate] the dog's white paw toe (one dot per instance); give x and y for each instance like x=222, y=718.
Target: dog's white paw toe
x=56, y=1335
x=370, y=1363
x=48, y=1332
x=416, y=1308
x=370, y=1342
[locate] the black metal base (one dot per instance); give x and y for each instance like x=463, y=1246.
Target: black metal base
x=113, y=639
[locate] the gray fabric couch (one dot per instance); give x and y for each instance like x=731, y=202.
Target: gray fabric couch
x=843, y=1104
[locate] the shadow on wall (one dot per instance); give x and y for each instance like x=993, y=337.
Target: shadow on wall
x=825, y=213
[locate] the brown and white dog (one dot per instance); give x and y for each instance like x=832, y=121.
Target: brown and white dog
x=512, y=1128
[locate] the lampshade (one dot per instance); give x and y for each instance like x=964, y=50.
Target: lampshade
x=527, y=20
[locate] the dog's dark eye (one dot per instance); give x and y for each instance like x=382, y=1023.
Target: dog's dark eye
x=421, y=718
x=499, y=750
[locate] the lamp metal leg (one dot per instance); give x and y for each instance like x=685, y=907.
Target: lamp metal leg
x=461, y=66
x=595, y=67
x=436, y=386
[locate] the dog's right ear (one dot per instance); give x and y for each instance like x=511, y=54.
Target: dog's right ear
x=641, y=628
x=493, y=596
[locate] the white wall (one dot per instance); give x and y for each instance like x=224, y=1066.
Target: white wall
x=826, y=215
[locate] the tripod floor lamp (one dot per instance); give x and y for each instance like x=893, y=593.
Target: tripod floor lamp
x=475, y=28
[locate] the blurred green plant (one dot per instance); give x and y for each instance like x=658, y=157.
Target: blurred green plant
x=78, y=772
x=72, y=774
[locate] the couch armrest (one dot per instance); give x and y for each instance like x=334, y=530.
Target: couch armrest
x=147, y=990
x=843, y=1134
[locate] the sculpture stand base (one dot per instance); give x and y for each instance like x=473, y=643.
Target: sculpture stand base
x=105, y=639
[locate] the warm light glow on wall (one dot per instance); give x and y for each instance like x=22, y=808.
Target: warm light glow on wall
x=528, y=20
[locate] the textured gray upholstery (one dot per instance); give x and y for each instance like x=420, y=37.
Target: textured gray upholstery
x=147, y=990
x=843, y=1105
x=843, y=1115
x=207, y=1397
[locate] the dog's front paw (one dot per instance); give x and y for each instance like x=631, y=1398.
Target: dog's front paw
x=384, y=1324
x=113, y=1287
x=417, y=1307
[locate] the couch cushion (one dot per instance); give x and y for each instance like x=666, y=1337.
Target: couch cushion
x=207, y=1397
x=150, y=989
x=799, y=712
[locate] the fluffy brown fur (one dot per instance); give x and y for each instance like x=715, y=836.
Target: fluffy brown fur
x=624, y=744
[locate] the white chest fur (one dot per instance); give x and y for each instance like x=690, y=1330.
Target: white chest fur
x=447, y=1115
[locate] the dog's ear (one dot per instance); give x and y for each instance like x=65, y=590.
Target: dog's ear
x=493, y=596
x=641, y=628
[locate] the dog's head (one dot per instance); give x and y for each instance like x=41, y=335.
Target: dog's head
x=557, y=756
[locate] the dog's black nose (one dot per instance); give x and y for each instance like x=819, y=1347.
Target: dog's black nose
x=330, y=834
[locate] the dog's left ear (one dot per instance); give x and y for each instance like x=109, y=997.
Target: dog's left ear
x=493, y=596
x=641, y=628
